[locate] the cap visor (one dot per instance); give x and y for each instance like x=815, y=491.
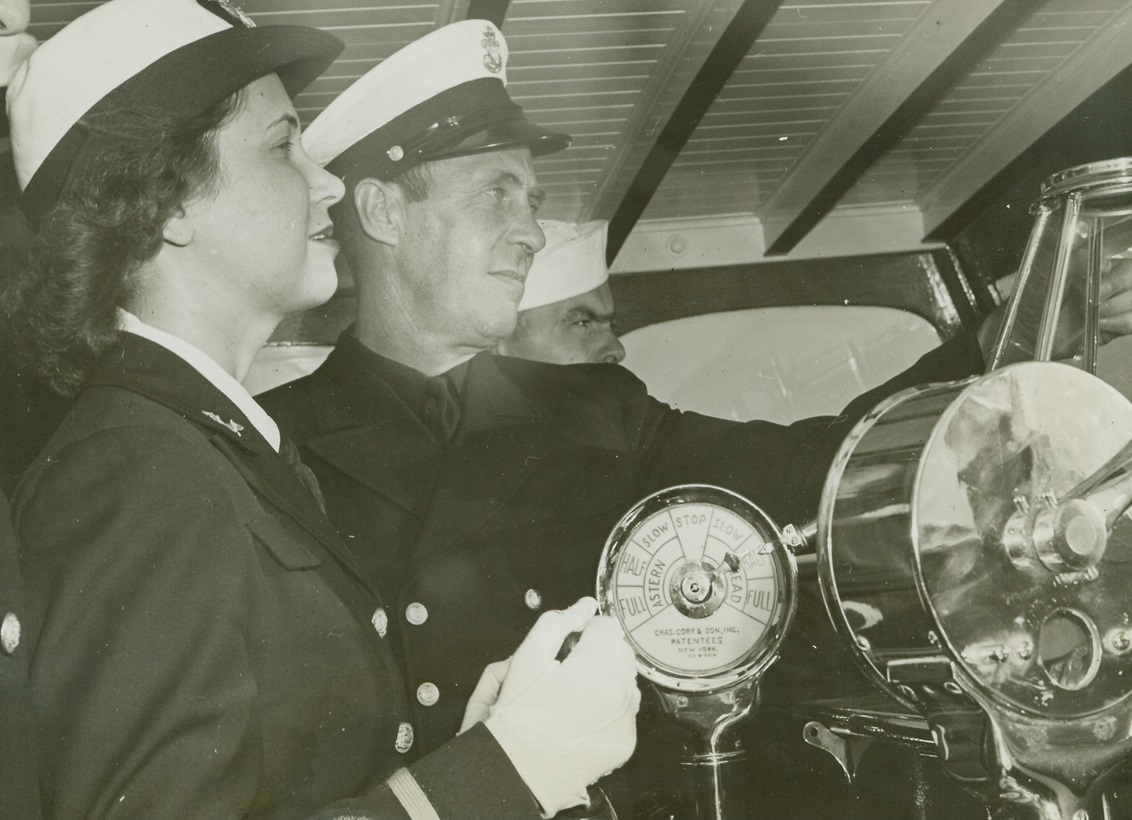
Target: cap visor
x=201, y=74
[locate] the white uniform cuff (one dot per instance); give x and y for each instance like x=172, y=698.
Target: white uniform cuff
x=536, y=759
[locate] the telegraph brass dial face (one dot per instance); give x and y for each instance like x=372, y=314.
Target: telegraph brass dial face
x=700, y=585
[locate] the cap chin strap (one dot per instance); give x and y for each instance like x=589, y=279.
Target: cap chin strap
x=469, y=118
x=436, y=141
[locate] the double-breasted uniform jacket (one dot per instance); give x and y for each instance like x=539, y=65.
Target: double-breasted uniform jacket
x=19, y=791
x=511, y=518
x=203, y=644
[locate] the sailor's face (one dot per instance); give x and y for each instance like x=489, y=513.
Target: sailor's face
x=577, y=330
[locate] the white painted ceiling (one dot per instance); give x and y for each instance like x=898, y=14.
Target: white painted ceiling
x=817, y=83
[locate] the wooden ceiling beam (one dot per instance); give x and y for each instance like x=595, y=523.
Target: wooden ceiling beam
x=733, y=44
x=941, y=47
x=493, y=10
x=649, y=109
x=451, y=11
x=945, y=206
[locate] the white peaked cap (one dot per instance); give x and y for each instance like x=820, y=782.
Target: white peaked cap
x=571, y=263
x=441, y=96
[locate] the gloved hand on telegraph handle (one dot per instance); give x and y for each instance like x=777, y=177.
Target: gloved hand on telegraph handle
x=563, y=723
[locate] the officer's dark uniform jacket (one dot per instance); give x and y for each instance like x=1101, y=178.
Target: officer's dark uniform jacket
x=510, y=519
x=19, y=791
x=203, y=645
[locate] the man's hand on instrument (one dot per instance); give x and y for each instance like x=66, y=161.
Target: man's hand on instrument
x=1116, y=300
x=1114, y=311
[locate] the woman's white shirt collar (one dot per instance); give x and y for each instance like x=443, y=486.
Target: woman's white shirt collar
x=207, y=367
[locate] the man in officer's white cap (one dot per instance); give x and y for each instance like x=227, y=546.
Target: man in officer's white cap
x=566, y=316
x=439, y=226
x=477, y=490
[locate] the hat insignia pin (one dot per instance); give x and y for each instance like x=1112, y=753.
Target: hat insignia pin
x=231, y=425
x=492, y=55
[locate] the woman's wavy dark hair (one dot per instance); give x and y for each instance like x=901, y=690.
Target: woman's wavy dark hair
x=60, y=286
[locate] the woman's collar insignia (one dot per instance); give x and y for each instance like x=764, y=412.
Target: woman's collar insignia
x=231, y=425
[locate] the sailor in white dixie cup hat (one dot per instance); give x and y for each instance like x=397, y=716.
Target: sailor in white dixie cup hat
x=566, y=315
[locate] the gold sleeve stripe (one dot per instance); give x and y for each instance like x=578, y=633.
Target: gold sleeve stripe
x=412, y=796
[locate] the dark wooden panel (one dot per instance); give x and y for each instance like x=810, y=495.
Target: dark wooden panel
x=915, y=282
x=927, y=284
x=972, y=297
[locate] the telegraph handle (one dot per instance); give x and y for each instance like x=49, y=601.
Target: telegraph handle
x=800, y=540
x=568, y=645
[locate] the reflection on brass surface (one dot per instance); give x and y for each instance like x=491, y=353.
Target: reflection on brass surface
x=1069, y=649
x=975, y=548
x=1008, y=453
x=960, y=521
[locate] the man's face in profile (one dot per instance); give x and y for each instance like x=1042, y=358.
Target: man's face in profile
x=572, y=331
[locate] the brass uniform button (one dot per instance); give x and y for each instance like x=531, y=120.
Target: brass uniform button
x=10, y=633
x=416, y=613
x=427, y=694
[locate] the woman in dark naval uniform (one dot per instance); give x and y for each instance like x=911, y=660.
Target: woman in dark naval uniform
x=200, y=642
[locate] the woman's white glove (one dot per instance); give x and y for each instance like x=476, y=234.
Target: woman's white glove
x=563, y=723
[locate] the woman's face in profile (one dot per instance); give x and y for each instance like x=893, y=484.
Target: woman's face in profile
x=14, y=16
x=263, y=232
